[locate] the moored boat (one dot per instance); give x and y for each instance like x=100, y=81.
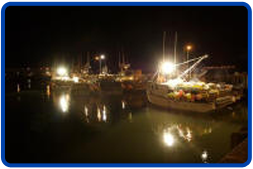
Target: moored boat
x=188, y=95
x=202, y=101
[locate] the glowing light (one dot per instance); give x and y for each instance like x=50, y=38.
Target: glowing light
x=188, y=135
x=181, y=134
x=86, y=111
x=98, y=114
x=48, y=73
x=64, y=103
x=188, y=47
x=102, y=57
x=97, y=58
x=18, y=88
x=104, y=114
x=204, y=156
x=123, y=104
x=29, y=83
x=167, y=67
x=61, y=71
x=174, y=82
x=66, y=78
x=76, y=79
x=168, y=138
x=48, y=91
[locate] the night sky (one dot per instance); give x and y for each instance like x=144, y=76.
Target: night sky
x=38, y=36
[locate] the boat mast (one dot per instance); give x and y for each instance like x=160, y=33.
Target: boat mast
x=88, y=61
x=81, y=62
x=164, y=38
x=123, y=57
x=88, y=58
x=119, y=59
x=175, y=50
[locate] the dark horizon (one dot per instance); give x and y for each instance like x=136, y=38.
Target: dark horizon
x=37, y=36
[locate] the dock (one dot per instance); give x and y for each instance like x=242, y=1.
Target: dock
x=238, y=155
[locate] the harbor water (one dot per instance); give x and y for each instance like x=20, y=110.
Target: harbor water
x=45, y=126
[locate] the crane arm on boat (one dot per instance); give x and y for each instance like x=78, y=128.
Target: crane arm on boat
x=193, y=66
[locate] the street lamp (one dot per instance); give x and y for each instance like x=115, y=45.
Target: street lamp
x=102, y=57
x=188, y=49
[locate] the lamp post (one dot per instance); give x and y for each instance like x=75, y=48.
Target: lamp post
x=188, y=49
x=102, y=57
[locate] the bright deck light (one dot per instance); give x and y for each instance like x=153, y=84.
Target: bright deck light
x=76, y=79
x=61, y=71
x=167, y=67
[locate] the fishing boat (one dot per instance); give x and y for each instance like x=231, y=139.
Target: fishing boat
x=180, y=92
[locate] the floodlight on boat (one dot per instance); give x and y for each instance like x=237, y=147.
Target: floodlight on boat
x=61, y=71
x=167, y=67
x=75, y=79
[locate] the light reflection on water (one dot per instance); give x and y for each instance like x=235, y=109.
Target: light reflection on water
x=140, y=126
x=18, y=88
x=91, y=109
x=104, y=114
x=98, y=114
x=175, y=133
x=168, y=138
x=123, y=104
x=48, y=91
x=29, y=83
x=64, y=102
x=204, y=156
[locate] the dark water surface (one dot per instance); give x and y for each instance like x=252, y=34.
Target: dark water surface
x=46, y=126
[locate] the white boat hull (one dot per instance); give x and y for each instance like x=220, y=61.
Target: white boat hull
x=179, y=105
x=157, y=95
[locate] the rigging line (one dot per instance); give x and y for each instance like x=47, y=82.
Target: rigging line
x=191, y=60
x=194, y=65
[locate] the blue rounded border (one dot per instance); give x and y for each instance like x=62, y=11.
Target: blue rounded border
x=125, y=4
